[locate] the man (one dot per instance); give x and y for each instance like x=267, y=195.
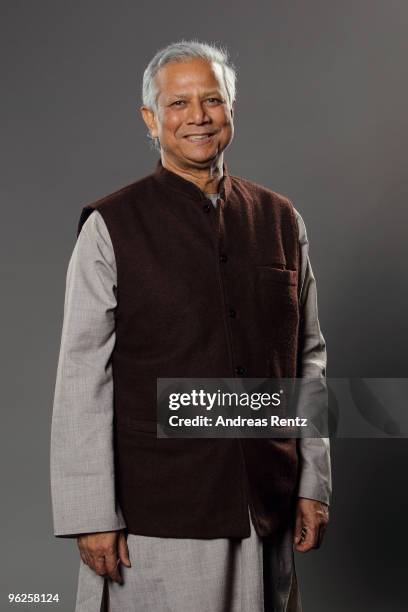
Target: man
x=188, y=272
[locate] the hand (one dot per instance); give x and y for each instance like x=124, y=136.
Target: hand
x=103, y=551
x=312, y=518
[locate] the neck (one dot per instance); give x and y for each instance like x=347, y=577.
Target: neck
x=207, y=179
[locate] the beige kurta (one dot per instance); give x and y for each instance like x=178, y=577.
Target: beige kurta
x=167, y=574
x=186, y=575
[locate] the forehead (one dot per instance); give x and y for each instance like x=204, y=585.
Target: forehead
x=188, y=76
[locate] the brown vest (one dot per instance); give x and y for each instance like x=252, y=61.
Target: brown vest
x=202, y=293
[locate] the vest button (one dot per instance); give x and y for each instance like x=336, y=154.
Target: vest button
x=207, y=208
x=223, y=258
x=232, y=313
x=240, y=370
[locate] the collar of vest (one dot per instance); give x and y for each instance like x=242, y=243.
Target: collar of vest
x=190, y=189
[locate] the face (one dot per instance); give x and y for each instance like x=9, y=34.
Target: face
x=194, y=121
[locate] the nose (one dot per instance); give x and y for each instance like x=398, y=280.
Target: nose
x=197, y=113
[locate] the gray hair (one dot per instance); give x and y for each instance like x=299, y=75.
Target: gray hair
x=185, y=50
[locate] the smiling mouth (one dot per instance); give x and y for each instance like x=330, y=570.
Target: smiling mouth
x=199, y=137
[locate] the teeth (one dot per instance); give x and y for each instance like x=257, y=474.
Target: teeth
x=199, y=137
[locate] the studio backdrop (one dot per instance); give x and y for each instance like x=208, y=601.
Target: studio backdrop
x=320, y=116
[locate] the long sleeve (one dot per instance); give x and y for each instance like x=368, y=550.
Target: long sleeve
x=314, y=453
x=82, y=455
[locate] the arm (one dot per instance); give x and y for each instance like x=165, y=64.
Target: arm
x=82, y=460
x=314, y=453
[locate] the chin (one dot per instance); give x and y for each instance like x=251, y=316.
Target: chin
x=202, y=156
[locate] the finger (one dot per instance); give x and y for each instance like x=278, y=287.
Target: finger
x=84, y=552
x=309, y=540
x=123, y=550
x=88, y=557
x=83, y=557
x=99, y=565
x=112, y=567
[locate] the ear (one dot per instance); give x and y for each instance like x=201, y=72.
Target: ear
x=149, y=118
x=233, y=109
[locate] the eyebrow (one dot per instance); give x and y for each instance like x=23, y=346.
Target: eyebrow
x=206, y=93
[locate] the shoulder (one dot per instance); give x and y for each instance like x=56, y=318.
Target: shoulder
x=280, y=206
x=94, y=240
x=301, y=227
x=121, y=196
x=253, y=189
x=278, y=200
x=117, y=201
x=94, y=227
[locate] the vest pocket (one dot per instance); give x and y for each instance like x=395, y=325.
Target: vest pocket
x=277, y=275
x=276, y=293
x=277, y=301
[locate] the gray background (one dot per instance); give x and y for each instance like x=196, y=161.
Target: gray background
x=321, y=116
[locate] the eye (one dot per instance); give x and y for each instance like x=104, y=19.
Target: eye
x=212, y=100
x=177, y=103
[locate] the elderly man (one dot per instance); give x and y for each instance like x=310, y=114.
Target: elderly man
x=187, y=272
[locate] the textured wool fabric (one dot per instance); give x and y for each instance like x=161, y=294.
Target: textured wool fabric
x=183, y=268
x=82, y=453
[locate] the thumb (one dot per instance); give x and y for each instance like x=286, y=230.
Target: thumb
x=298, y=528
x=123, y=550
